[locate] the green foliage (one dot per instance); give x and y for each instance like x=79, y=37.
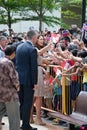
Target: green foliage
x=28, y=10
x=70, y=10
x=36, y=10
x=70, y=14
x=8, y=8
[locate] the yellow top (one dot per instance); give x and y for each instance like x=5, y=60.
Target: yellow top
x=84, y=76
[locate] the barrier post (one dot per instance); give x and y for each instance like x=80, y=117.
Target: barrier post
x=64, y=95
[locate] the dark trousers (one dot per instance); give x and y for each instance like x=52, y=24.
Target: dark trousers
x=58, y=102
x=26, y=98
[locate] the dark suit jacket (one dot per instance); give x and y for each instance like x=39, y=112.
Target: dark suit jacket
x=26, y=64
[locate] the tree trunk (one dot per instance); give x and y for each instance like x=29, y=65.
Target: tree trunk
x=9, y=21
x=40, y=16
x=40, y=24
x=83, y=11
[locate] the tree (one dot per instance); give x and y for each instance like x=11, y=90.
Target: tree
x=7, y=10
x=35, y=10
x=41, y=10
x=72, y=11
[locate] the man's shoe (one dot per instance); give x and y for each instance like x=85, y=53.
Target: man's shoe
x=2, y=123
x=33, y=129
x=29, y=129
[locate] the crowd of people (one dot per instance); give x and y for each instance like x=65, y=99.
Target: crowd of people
x=32, y=65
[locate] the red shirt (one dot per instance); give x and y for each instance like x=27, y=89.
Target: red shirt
x=73, y=77
x=71, y=62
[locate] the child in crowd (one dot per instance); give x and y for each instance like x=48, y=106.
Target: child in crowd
x=73, y=71
x=57, y=99
x=48, y=93
x=53, y=90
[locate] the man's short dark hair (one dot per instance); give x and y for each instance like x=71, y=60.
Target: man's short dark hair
x=74, y=52
x=9, y=50
x=2, y=38
x=86, y=59
x=82, y=54
x=30, y=34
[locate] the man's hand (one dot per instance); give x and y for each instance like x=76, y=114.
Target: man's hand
x=18, y=88
x=35, y=87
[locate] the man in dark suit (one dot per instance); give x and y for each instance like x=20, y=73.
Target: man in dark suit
x=26, y=63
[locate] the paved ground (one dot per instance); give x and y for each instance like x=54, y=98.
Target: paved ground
x=49, y=125
x=6, y=126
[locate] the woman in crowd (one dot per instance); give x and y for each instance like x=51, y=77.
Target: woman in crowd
x=39, y=92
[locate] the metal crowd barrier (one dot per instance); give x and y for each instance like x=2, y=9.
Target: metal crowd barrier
x=65, y=84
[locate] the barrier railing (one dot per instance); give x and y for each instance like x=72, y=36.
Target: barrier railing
x=61, y=101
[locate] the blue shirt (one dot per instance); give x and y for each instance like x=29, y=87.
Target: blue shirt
x=2, y=54
x=57, y=89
